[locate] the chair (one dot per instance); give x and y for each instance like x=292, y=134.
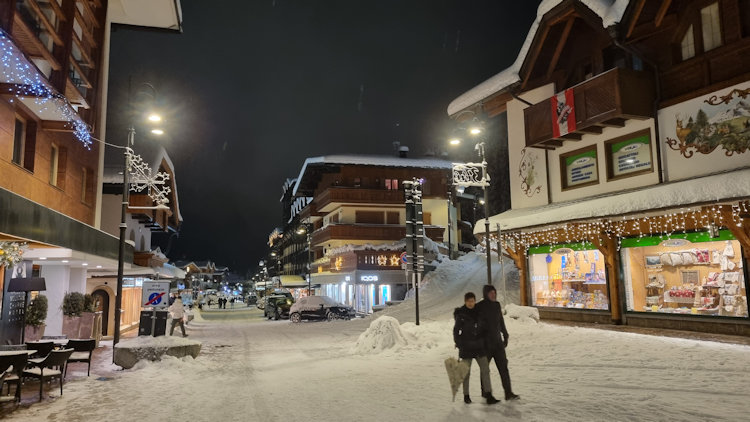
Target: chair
x=44, y=369
x=42, y=350
x=12, y=366
x=83, y=349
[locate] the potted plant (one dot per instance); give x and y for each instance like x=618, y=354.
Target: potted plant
x=72, y=308
x=36, y=314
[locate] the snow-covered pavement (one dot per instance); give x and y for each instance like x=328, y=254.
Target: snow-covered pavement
x=251, y=369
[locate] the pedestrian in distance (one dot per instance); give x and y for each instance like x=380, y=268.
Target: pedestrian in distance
x=496, y=336
x=177, y=310
x=468, y=336
x=231, y=303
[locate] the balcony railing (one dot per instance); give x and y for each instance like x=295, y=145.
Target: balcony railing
x=378, y=232
x=607, y=100
x=358, y=196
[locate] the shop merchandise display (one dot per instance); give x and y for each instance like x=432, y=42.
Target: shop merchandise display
x=566, y=278
x=680, y=277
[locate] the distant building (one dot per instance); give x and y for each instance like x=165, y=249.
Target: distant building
x=628, y=136
x=356, y=221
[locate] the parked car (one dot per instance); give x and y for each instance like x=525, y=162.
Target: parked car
x=277, y=306
x=319, y=308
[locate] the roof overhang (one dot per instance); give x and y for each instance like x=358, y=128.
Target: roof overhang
x=150, y=14
x=723, y=187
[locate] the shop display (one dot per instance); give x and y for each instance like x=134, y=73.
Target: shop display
x=686, y=274
x=568, y=276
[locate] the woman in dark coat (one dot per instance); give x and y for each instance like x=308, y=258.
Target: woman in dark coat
x=468, y=335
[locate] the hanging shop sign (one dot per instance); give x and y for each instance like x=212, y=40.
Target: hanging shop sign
x=579, y=168
x=629, y=155
x=468, y=174
x=563, y=113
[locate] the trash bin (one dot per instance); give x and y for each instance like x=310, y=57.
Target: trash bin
x=160, y=329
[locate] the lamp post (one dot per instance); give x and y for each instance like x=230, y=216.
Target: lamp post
x=465, y=175
x=153, y=117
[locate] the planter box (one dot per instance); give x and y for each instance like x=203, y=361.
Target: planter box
x=79, y=326
x=33, y=333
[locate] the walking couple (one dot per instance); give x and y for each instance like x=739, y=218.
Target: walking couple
x=480, y=334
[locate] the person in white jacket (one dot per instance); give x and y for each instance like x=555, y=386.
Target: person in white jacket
x=178, y=312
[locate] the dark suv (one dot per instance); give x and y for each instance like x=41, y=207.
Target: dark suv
x=277, y=306
x=320, y=308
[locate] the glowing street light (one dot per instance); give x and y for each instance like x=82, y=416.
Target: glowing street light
x=153, y=117
x=157, y=131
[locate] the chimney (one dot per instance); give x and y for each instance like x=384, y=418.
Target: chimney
x=403, y=151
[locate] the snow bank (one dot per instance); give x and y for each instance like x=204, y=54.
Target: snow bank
x=161, y=342
x=384, y=333
x=521, y=313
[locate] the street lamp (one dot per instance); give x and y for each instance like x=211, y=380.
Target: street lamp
x=123, y=214
x=475, y=128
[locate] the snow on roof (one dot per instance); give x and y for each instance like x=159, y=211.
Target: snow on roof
x=719, y=187
x=611, y=12
x=370, y=160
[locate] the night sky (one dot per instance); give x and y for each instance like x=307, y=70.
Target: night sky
x=251, y=88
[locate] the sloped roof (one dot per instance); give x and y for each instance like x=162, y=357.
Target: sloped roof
x=611, y=12
x=370, y=160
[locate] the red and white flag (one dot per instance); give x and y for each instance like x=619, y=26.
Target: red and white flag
x=563, y=113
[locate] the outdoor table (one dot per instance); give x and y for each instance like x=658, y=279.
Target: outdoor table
x=15, y=352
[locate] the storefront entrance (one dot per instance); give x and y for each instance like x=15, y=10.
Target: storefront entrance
x=101, y=299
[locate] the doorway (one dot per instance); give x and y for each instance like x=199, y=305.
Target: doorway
x=101, y=299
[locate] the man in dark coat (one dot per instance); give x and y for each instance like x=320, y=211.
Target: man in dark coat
x=496, y=336
x=468, y=335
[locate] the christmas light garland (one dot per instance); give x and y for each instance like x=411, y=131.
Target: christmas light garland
x=599, y=231
x=11, y=253
x=25, y=81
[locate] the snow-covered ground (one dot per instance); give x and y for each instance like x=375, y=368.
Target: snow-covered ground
x=251, y=369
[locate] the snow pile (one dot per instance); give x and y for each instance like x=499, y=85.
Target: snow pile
x=521, y=313
x=161, y=342
x=384, y=333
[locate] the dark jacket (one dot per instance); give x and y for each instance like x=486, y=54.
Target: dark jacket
x=491, y=315
x=468, y=333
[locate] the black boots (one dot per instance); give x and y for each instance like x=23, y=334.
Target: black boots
x=467, y=399
x=511, y=396
x=490, y=398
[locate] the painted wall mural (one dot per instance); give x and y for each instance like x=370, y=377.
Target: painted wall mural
x=530, y=183
x=721, y=121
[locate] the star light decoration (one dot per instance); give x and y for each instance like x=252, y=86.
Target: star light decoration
x=143, y=178
x=24, y=80
x=663, y=226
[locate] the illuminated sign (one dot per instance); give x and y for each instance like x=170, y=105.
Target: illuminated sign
x=368, y=278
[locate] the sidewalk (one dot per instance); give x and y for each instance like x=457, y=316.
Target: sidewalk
x=659, y=332
x=237, y=307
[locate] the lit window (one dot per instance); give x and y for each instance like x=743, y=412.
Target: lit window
x=688, y=44
x=53, y=162
x=711, y=26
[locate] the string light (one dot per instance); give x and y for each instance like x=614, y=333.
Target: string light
x=25, y=81
x=600, y=231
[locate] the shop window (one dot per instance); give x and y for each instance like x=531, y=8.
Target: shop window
x=579, y=168
x=629, y=155
x=568, y=276
x=693, y=274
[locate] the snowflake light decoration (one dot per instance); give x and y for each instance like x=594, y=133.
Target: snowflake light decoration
x=143, y=178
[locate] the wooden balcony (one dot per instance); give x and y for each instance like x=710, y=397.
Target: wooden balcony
x=344, y=195
x=607, y=100
x=375, y=232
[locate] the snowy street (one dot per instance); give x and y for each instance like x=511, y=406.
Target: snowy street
x=253, y=369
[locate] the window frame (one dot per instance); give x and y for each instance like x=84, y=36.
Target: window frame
x=692, y=20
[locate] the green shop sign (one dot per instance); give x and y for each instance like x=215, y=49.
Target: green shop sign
x=696, y=237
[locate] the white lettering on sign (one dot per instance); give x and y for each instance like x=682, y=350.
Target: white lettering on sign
x=369, y=278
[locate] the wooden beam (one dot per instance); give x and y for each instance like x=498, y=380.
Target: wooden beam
x=662, y=12
x=596, y=130
x=560, y=46
x=20, y=25
x=56, y=126
x=636, y=15
x=572, y=136
x=617, y=122
x=534, y=56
